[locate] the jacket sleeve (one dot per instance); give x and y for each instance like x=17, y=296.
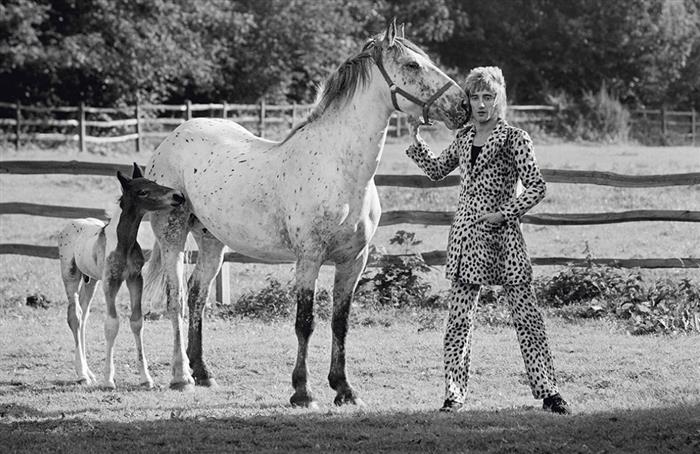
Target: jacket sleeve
x=529, y=174
x=436, y=167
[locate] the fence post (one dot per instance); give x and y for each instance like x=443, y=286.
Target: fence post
x=261, y=123
x=663, y=125
x=224, y=110
x=188, y=110
x=693, y=128
x=18, y=121
x=294, y=115
x=223, y=283
x=81, y=127
x=137, y=111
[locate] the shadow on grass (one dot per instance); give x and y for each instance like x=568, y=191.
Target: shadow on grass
x=512, y=430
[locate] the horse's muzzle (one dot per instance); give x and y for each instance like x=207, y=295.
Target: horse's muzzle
x=178, y=199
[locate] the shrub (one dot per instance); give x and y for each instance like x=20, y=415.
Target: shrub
x=663, y=306
x=274, y=301
x=595, y=116
x=399, y=282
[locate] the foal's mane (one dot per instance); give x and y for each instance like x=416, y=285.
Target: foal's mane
x=341, y=85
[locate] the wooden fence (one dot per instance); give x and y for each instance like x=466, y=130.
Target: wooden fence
x=97, y=125
x=108, y=125
x=392, y=217
x=146, y=121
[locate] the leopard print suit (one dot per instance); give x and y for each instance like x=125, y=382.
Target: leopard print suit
x=480, y=253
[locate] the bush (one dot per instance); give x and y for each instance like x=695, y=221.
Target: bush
x=595, y=116
x=274, y=301
x=662, y=307
x=399, y=282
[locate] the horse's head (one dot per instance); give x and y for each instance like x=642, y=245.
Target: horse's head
x=415, y=85
x=147, y=195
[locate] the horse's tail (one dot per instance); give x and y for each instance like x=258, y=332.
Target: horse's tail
x=154, y=287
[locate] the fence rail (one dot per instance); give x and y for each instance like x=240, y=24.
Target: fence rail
x=401, y=216
x=433, y=258
x=408, y=181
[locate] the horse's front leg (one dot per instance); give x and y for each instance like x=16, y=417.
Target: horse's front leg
x=171, y=231
x=211, y=254
x=347, y=274
x=173, y=261
x=306, y=275
x=135, y=286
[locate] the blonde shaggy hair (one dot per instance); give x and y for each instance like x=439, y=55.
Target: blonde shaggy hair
x=488, y=78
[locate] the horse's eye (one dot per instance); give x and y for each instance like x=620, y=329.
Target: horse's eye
x=413, y=65
x=142, y=193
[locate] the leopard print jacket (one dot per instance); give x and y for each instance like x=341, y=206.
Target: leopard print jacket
x=480, y=252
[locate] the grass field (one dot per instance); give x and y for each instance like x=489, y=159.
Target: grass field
x=630, y=393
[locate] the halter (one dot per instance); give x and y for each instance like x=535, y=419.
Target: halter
x=395, y=89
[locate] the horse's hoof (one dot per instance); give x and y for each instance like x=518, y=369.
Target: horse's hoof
x=346, y=396
x=108, y=386
x=182, y=386
x=304, y=400
x=147, y=384
x=206, y=382
x=348, y=399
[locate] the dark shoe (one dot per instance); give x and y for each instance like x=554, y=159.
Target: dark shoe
x=556, y=404
x=451, y=406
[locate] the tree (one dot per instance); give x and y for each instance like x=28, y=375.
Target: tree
x=637, y=47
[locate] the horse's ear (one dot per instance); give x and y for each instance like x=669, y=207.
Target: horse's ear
x=390, y=34
x=402, y=30
x=137, y=172
x=124, y=181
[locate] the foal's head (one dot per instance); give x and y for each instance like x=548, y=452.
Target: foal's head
x=144, y=195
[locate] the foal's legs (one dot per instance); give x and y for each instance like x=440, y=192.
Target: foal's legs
x=71, y=281
x=306, y=275
x=347, y=274
x=170, y=228
x=111, y=286
x=135, y=286
x=211, y=254
x=87, y=290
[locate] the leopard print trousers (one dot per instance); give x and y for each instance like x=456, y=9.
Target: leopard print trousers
x=529, y=325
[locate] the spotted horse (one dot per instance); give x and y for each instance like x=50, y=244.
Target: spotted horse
x=309, y=199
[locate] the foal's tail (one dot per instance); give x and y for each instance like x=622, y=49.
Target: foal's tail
x=154, y=287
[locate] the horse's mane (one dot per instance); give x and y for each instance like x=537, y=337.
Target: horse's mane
x=341, y=85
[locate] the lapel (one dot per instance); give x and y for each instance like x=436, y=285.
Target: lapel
x=469, y=140
x=493, y=145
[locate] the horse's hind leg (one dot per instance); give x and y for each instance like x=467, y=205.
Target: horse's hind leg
x=170, y=228
x=211, y=254
x=347, y=274
x=306, y=275
x=87, y=290
x=71, y=281
x=135, y=286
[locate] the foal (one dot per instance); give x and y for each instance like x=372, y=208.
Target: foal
x=90, y=251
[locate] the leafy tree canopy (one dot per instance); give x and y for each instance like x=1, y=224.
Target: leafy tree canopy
x=106, y=52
